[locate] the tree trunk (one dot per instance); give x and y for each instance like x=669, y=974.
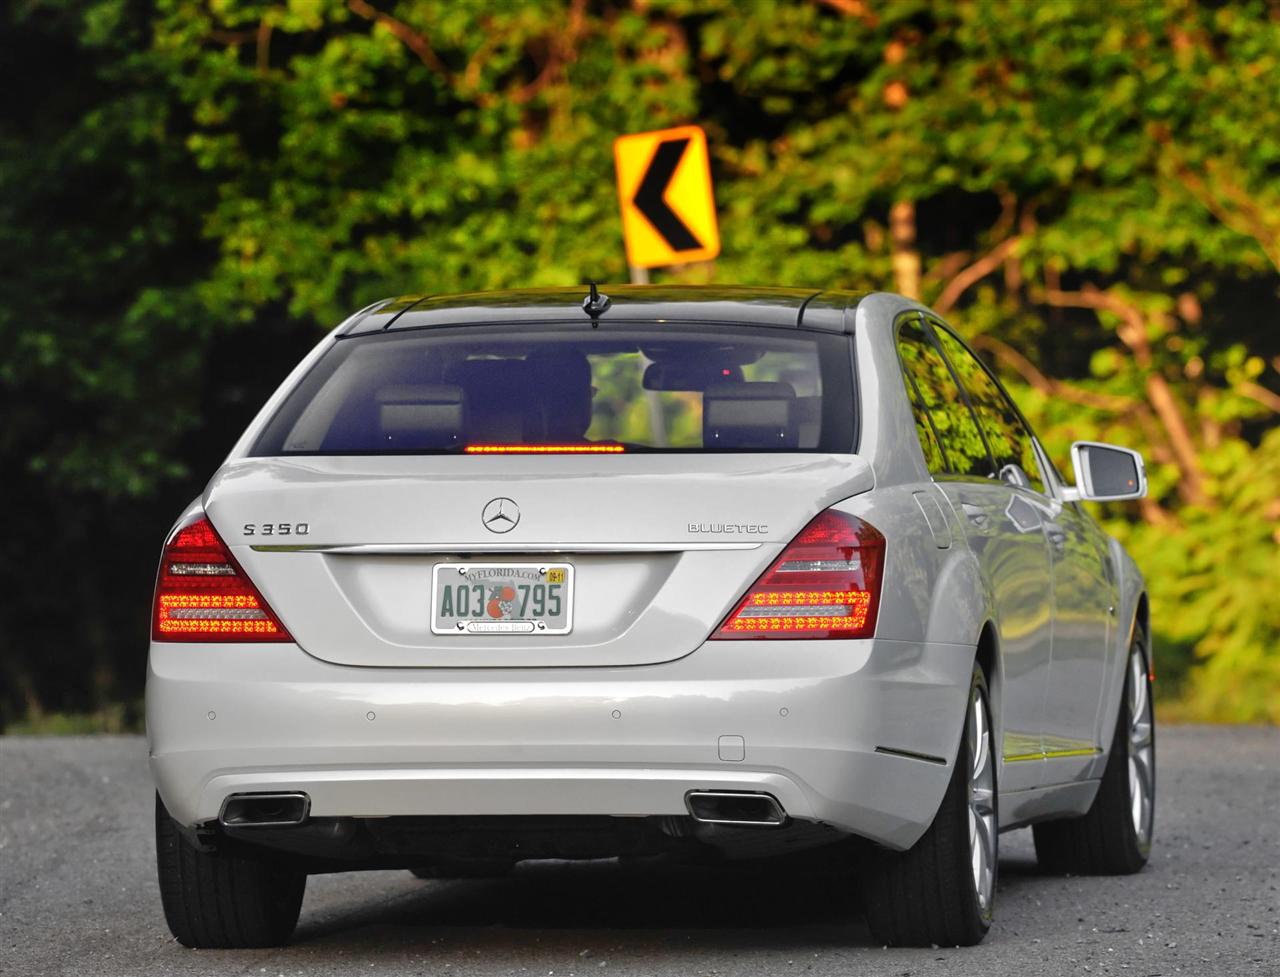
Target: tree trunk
x=906, y=259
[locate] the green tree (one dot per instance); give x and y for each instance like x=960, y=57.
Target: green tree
x=1091, y=192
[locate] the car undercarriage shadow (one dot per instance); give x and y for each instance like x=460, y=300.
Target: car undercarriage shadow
x=605, y=896
x=808, y=905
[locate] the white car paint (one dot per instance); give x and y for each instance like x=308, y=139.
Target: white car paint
x=372, y=715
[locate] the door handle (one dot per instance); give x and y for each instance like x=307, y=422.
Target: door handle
x=976, y=515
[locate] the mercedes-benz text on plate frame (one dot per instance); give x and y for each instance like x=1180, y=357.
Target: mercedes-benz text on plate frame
x=703, y=573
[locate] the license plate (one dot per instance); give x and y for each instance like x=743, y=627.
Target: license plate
x=502, y=598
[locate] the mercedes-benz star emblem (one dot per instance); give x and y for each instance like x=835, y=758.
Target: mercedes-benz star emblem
x=500, y=515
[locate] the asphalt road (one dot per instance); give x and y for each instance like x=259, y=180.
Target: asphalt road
x=78, y=894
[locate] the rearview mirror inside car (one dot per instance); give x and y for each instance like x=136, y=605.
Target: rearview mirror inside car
x=1106, y=473
x=689, y=376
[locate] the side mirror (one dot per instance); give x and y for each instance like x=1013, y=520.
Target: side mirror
x=1106, y=473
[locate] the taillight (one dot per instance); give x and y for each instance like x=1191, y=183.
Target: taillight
x=826, y=584
x=202, y=594
x=545, y=449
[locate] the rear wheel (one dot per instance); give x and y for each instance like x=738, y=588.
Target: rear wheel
x=942, y=890
x=219, y=899
x=1114, y=838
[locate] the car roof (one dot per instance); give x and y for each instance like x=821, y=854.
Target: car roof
x=722, y=304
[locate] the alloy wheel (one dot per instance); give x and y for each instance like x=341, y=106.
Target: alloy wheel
x=1142, y=750
x=982, y=806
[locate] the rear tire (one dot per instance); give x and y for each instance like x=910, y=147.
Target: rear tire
x=1114, y=837
x=222, y=899
x=942, y=890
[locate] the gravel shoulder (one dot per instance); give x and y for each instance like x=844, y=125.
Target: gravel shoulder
x=78, y=894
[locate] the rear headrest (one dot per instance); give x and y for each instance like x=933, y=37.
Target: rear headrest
x=418, y=416
x=749, y=415
x=562, y=378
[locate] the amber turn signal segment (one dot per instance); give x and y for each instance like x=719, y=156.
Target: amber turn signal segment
x=826, y=584
x=544, y=449
x=202, y=593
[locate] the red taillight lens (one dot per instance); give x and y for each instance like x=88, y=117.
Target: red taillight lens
x=826, y=584
x=202, y=594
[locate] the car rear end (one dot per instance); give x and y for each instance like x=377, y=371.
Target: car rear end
x=488, y=586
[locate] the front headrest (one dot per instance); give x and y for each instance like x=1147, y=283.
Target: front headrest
x=501, y=406
x=749, y=415
x=485, y=369
x=419, y=393
x=420, y=416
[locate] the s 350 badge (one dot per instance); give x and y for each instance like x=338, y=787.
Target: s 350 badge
x=276, y=528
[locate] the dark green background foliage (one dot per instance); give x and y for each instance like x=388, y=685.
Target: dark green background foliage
x=191, y=191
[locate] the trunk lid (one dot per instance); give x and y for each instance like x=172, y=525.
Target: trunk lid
x=343, y=548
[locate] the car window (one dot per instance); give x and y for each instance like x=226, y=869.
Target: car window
x=571, y=389
x=949, y=434
x=1007, y=435
x=910, y=341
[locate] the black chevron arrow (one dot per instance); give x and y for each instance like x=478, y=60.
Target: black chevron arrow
x=648, y=199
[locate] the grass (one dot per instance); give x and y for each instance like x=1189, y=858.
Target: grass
x=117, y=717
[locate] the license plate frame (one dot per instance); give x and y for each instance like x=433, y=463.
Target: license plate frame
x=491, y=575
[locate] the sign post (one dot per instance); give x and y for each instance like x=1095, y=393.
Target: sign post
x=668, y=210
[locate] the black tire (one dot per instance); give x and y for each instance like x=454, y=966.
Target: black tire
x=223, y=899
x=928, y=895
x=1106, y=840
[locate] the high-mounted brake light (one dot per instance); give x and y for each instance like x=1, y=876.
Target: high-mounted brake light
x=202, y=594
x=545, y=449
x=826, y=584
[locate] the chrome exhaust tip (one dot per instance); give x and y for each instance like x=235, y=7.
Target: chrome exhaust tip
x=264, y=810
x=740, y=808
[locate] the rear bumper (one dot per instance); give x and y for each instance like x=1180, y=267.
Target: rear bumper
x=806, y=721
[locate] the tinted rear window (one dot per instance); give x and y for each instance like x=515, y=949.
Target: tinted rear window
x=628, y=388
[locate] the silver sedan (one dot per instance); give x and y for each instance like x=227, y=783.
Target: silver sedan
x=700, y=573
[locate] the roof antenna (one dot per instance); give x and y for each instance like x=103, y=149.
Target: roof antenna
x=595, y=304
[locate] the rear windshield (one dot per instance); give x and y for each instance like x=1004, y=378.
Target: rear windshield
x=571, y=389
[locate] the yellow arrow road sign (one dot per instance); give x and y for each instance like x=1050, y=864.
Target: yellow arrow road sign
x=664, y=189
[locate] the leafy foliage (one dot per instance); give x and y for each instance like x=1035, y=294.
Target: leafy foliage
x=190, y=190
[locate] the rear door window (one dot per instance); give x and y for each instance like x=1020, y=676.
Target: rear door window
x=572, y=389
x=950, y=436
